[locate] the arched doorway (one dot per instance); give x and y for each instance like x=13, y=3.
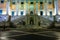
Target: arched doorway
x=41, y=13
x=31, y=12
x=31, y=21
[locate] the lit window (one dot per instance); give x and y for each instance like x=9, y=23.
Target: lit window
x=0, y=12
x=21, y=12
x=50, y=13
x=12, y=13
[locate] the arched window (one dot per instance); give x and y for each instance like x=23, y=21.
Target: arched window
x=0, y=12
x=41, y=2
x=22, y=2
x=41, y=13
x=31, y=3
x=13, y=1
x=49, y=1
x=50, y=13
x=22, y=13
x=12, y=13
x=31, y=12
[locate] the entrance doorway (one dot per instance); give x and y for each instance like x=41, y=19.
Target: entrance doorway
x=22, y=12
x=41, y=13
x=31, y=21
x=31, y=12
x=50, y=13
x=12, y=13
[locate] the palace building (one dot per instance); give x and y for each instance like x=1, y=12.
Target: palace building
x=23, y=7
x=31, y=11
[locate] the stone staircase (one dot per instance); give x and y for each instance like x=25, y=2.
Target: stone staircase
x=44, y=21
x=20, y=18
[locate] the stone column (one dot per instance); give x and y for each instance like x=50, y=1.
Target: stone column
x=45, y=7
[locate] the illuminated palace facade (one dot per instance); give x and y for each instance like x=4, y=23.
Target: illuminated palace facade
x=23, y=7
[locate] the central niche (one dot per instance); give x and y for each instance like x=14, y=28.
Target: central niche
x=31, y=21
x=31, y=12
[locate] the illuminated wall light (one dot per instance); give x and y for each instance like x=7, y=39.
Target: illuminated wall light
x=21, y=12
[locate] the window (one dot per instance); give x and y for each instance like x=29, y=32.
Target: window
x=50, y=2
x=13, y=2
x=2, y=1
x=21, y=12
x=12, y=13
x=22, y=2
x=31, y=12
x=31, y=2
x=31, y=21
x=41, y=2
x=50, y=13
x=0, y=12
x=41, y=13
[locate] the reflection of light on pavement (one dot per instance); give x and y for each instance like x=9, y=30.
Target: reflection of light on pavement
x=3, y=38
x=14, y=33
x=58, y=35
